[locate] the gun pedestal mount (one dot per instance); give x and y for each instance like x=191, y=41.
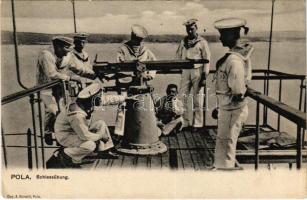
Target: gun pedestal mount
x=141, y=133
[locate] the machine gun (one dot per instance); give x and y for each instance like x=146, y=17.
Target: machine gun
x=141, y=133
x=138, y=68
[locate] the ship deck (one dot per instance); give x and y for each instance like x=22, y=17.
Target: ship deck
x=195, y=150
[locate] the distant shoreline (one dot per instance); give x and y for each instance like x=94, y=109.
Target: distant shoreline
x=28, y=38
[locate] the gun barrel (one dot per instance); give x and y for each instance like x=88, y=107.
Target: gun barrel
x=161, y=65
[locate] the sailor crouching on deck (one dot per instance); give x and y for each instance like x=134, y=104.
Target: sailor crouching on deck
x=232, y=76
x=79, y=136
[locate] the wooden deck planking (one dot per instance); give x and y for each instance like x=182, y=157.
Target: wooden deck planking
x=129, y=161
x=156, y=161
x=165, y=157
x=209, y=145
x=118, y=163
x=203, y=152
x=142, y=162
x=196, y=160
x=186, y=155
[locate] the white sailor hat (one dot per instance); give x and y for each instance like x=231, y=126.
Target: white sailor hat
x=190, y=22
x=90, y=91
x=139, y=31
x=66, y=42
x=81, y=36
x=231, y=23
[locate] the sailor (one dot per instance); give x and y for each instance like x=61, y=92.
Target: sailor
x=232, y=77
x=193, y=46
x=78, y=134
x=53, y=64
x=80, y=58
x=169, y=111
x=132, y=50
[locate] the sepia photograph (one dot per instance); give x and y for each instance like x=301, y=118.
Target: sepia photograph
x=187, y=96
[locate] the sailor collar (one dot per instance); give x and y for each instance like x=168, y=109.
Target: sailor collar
x=81, y=56
x=243, y=50
x=191, y=43
x=130, y=49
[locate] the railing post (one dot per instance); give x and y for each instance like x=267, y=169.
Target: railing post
x=264, y=119
x=299, y=148
x=257, y=138
x=279, y=99
x=301, y=96
x=34, y=128
x=4, y=147
x=41, y=129
x=29, y=144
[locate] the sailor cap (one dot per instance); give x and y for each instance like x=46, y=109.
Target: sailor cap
x=139, y=31
x=190, y=22
x=64, y=40
x=81, y=36
x=229, y=23
x=90, y=91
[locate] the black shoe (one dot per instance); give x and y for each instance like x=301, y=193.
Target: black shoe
x=66, y=161
x=48, y=138
x=54, y=161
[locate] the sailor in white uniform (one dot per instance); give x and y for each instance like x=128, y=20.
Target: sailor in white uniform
x=232, y=77
x=193, y=46
x=80, y=58
x=76, y=132
x=54, y=64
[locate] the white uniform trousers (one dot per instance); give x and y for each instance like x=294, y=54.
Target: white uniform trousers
x=190, y=84
x=77, y=149
x=229, y=126
x=169, y=127
x=51, y=109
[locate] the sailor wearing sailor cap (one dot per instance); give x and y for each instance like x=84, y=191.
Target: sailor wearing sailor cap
x=193, y=46
x=80, y=58
x=53, y=64
x=78, y=134
x=233, y=74
x=132, y=50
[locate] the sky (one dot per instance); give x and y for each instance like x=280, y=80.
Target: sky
x=159, y=17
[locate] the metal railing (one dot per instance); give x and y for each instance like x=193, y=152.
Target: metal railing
x=292, y=114
x=34, y=97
